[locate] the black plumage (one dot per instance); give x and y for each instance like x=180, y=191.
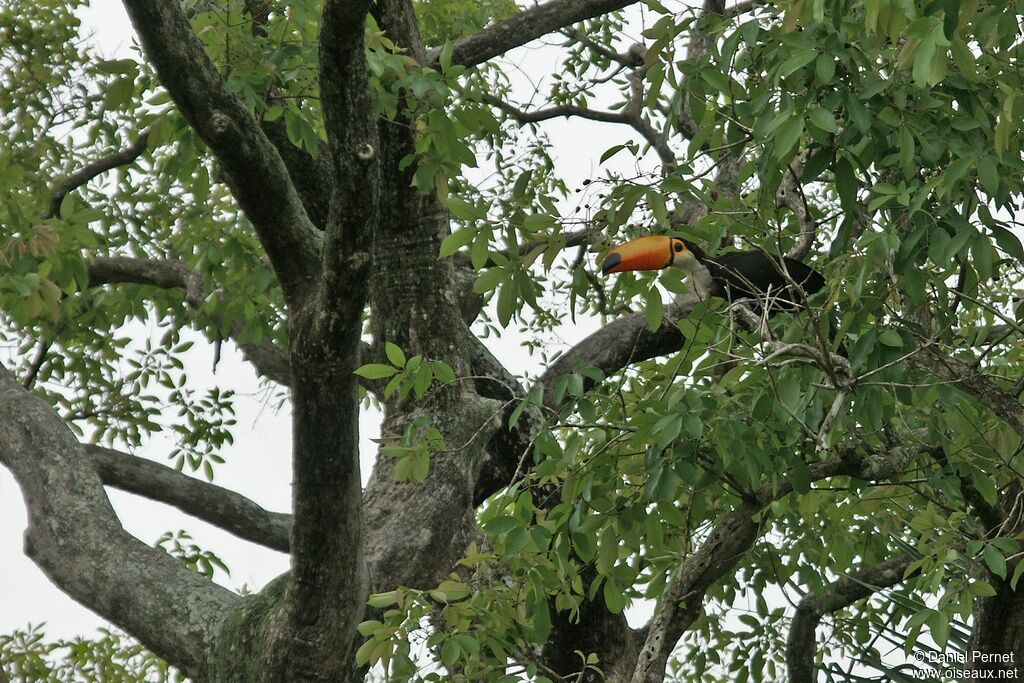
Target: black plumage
x=759, y=276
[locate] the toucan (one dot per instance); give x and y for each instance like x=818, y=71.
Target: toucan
x=755, y=275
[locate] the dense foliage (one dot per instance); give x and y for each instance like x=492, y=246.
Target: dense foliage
x=882, y=427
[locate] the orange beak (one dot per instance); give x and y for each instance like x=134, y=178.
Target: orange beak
x=645, y=253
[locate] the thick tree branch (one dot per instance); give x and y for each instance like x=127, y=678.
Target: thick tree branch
x=528, y=25
x=254, y=170
x=74, y=536
x=800, y=644
x=621, y=343
x=268, y=359
x=355, y=148
x=163, y=273
x=398, y=19
x=221, y=507
x=314, y=633
x=83, y=175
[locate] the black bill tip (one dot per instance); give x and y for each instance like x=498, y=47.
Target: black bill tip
x=610, y=262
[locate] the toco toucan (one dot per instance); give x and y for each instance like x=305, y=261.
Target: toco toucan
x=737, y=275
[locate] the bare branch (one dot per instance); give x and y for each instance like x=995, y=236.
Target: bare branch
x=572, y=239
x=800, y=645
x=37, y=363
x=629, y=116
x=565, y=110
x=633, y=58
x=83, y=175
x=791, y=195
x=528, y=25
x=255, y=173
x=219, y=506
x=74, y=536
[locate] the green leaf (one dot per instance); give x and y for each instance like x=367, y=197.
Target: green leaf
x=443, y=372
x=365, y=652
x=507, y=301
x=1008, y=242
x=906, y=147
x=1017, y=571
x=985, y=486
x=480, y=252
x=376, y=371
x=789, y=391
x=607, y=550
x=823, y=119
x=381, y=600
x=488, y=280
x=463, y=210
x=984, y=258
x=541, y=620
x=455, y=241
x=522, y=182
x=825, y=68
x=995, y=561
x=394, y=354
x=610, y=152
x=501, y=524
x=797, y=60
x=988, y=175
x=654, y=308
x=368, y=628
x=891, y=338
x=452, y=591
x=923, y=73
x=788, y=135
x=938, y=624
x=614, y=598
x=846, y=186
x=446, y=55
x=119, y=93
x=450, y=652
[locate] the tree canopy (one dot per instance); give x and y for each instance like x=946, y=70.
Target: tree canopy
x=364, y=198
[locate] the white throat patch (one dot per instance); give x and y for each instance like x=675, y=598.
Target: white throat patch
x=699, y=276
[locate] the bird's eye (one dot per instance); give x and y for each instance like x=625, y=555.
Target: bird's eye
x=678, y=246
